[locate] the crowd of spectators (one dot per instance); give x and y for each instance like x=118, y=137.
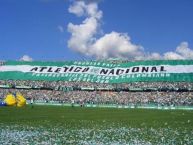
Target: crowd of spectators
x=163, y=93
x=55, y=85
x=160, y=93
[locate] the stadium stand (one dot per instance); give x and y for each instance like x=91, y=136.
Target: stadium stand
x=168, y=88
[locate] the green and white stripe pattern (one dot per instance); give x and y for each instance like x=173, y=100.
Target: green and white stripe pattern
x=99, y=71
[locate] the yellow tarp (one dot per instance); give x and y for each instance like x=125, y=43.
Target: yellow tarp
x=18, y=101
x=10, y=100
x=21, y=101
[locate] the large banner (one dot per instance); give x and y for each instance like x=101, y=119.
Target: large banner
x=99, y=71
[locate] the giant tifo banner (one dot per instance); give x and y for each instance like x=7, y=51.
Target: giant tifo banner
x=99, y=71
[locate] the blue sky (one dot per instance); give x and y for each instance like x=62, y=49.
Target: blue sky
x=40, y=29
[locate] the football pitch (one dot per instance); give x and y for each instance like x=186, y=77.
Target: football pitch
x=94, y=126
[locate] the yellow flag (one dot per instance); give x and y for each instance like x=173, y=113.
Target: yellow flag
x=10, y=100
x=21, y=101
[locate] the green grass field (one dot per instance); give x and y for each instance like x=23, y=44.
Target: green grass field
x=66, y=125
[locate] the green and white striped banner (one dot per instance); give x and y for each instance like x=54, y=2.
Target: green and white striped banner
x=99, y=71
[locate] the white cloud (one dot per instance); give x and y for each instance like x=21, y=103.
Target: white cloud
x=82, y=35
x=84, y=38
x=116, y=45
x=172, y=56
x=60, y=28
x=78, y=8
x=152, y=56
x=26, y=58
x=184, y=50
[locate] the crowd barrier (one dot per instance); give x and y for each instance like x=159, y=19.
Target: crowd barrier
x=152, y=106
